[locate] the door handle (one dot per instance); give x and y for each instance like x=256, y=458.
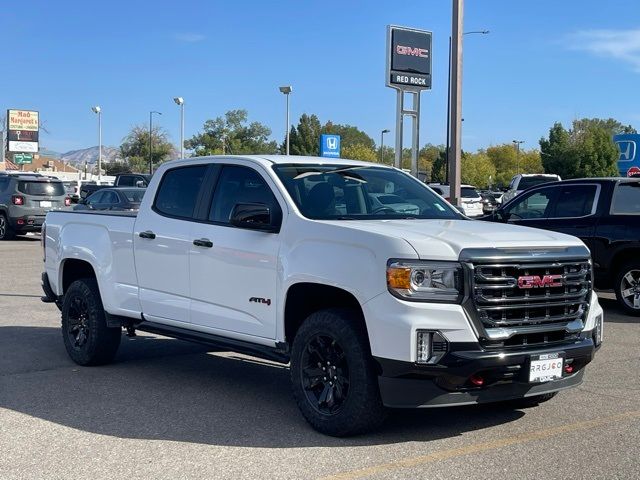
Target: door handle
x=147, y=234
x=203, y=242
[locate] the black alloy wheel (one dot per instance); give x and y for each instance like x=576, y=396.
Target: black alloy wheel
x=325, y=374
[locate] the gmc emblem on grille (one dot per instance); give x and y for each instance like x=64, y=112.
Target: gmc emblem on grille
x=536, y=281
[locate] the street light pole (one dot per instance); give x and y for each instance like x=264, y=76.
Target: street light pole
x=382, y=144
x=517, y=143
x=151, y=140
x=97, y=110
x=480, y=32
x=287, y=91
x=180, y=101
x=455, y=129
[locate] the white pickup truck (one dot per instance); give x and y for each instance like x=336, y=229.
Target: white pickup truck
x=292, y=259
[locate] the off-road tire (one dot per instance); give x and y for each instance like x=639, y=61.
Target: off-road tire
x=6, y=232
x=618, y=287
x=82, y=311
x=361, y=407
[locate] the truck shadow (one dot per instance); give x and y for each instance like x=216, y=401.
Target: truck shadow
x=613, y=313
x=164, y=389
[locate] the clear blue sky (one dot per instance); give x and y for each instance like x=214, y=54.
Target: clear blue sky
x=544, y=61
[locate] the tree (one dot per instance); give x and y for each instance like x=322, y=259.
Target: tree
x=305, y=138
x=349, y=135
x=508, y=161
x=477, y=169
x=135, y=148
x=114, y=168
x=232, y=134
x=439, y=167
x=611, y=125
x=359, y=152
x=585, y=150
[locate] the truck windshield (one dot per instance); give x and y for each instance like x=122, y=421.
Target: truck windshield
x=347, y=192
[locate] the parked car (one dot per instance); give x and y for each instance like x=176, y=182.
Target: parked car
x=497, y=195
x=113, y=199
x=523, y=181
x=287, y=258
x=138, y=180
x=604, y=213
x=72, y=189
x=471, y=201
x=489, y=203
x=25, y=200
x=394, y=202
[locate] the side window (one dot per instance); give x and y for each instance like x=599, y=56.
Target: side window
x=574, y=201
x=127, y=181
x=178, y=191
x=239, y=185
x=95, y=198
x=533, y=205
x=110, y=197
x=626, y=199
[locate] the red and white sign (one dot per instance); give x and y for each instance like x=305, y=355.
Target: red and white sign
x=536, y=281
x=633, y=171
x=23, y=120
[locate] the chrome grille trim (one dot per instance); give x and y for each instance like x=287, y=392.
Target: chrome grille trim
x=503, y=310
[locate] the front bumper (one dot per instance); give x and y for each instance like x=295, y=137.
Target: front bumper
x=505, y=374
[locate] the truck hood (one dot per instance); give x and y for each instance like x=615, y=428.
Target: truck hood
x=445, y=239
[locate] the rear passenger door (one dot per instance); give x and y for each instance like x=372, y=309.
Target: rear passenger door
x=234, y=271
x=162, y=240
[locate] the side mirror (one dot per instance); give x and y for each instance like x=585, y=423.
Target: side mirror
x=253, y=216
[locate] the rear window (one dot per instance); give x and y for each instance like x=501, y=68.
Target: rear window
x=50, y=189
x=528, y=182
x=626, y=199
x=179, y=190
x=467, y=192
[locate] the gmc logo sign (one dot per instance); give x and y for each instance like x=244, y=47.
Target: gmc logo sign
x=536, y=281
x=414, y=52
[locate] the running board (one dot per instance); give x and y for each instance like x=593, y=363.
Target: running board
x=220, y=343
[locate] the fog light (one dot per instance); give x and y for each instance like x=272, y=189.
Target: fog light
x=598, y=331
x=430, y=346
x=423, y=352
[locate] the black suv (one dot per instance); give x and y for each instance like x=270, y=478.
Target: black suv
x=25, y=201
x=604, y=213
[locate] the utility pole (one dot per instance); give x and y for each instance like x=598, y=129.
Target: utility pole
x=517, y=143
x=455, y=127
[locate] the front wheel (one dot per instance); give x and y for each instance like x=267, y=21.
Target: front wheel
x=87, y=338
x=627, y=288
x=333, y=374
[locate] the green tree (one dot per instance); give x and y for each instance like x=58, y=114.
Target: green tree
x=477, y=169
x=304, y=139
x=585, y=150
x=135, y=148
x=439, y=167
x=613, y=126
x=349, y=135
x=232, y=134
x=359, y=152
x=505, y=159
x=114, y=168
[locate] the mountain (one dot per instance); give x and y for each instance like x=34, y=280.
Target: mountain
x=90, y=155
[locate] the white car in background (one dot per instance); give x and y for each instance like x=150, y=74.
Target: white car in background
x=471, y=200
x=523, y=181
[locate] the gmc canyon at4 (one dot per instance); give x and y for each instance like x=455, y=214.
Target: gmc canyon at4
x=293, y=259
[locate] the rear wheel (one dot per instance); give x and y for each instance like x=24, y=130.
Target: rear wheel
x=334, y=380
x=6, y=232
x=86, y=336
x=627, y=287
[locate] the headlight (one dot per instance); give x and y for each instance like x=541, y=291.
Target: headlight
x=426, y=281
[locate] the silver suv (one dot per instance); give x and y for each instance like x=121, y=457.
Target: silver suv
x=25, y=200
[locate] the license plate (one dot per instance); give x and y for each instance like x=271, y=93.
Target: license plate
x=45, y=203
x=546, y=367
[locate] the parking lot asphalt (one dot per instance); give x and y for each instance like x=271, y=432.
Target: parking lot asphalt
x=169, y=409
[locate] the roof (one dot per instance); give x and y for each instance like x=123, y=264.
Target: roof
x=268, y=160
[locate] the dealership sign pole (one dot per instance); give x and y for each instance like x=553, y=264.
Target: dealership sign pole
x=22, y=133
x=408, y=71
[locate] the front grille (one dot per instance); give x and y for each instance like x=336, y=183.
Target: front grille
x=551, y=310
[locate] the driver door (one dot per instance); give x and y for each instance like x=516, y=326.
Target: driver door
x=531, y=209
